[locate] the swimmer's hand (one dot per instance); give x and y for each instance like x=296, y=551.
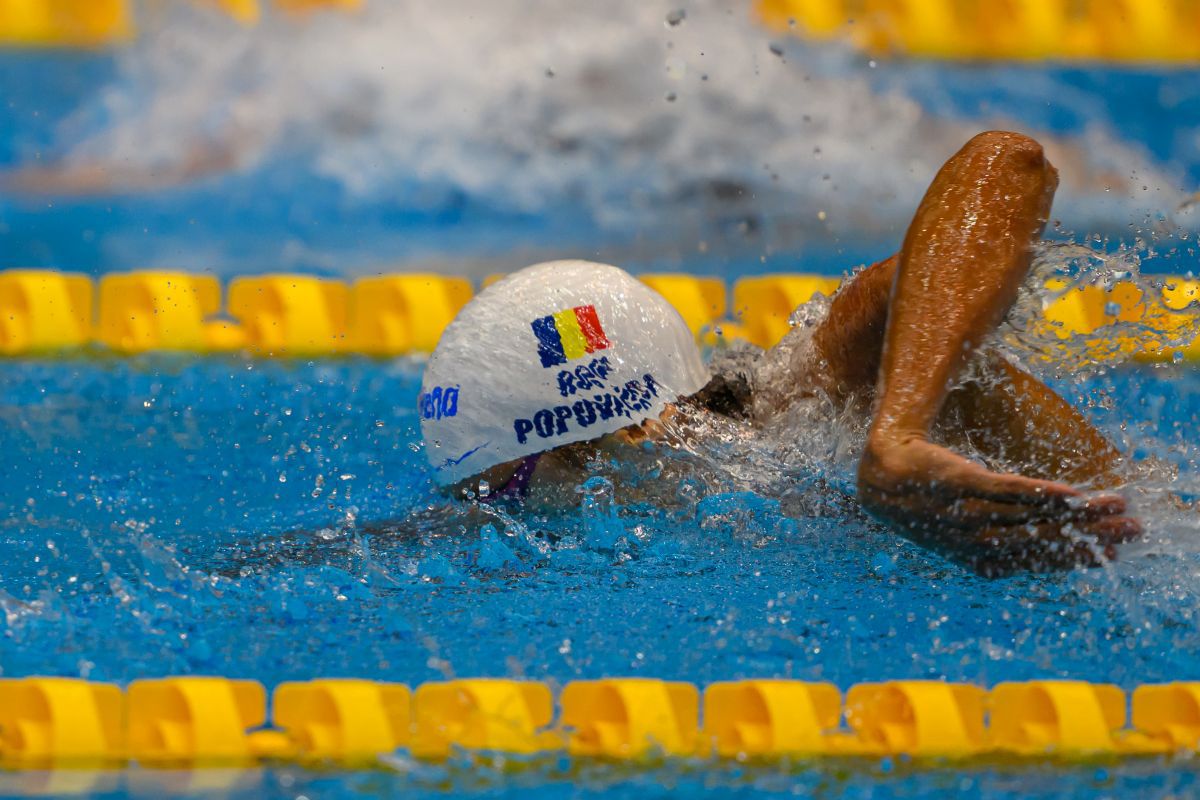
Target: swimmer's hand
x=994, y=522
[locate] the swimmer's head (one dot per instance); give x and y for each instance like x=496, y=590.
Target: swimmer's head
x=557, y=353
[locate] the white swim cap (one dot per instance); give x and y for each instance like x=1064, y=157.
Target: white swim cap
x=556, y=353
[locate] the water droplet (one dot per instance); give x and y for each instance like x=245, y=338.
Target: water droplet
x=676, y=17
x=775, y=49
x=671, y=97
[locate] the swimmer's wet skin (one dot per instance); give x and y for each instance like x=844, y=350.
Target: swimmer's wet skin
x=606, y=355
x=967, y=251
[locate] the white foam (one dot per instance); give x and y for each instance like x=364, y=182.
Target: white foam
x=540, y=105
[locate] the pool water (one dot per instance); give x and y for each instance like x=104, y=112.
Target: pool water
x=555, y=779
x=275, y=520
x=547, y=135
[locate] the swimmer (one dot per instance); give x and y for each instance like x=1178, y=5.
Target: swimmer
x=571, y=352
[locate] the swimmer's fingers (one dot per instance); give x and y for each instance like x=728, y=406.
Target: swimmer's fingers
x=976, y=513
x=1114, y=530
x=926, y=510
x=1037, y=548
x=1036, y=556
x=973, y=511
x=1064, y=500
x=932, y=507
x=922, y=467
x=977, y=488
x=1051, y=546
x=1104, y=532
x=1007, y=487
x=997, y=522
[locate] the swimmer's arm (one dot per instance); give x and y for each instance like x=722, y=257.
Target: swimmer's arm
x=1007, y=414
x=1013, y=417
x=849, y=342
x=966, y=253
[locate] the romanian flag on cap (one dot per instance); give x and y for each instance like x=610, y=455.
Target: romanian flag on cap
x=568, y=335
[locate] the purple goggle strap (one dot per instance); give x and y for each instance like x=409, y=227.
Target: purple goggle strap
x=516, y=487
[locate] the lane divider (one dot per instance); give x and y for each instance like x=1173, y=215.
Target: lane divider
x=43, y=310
x=763, y=305
x=84, y=24
x=141, y=311
x=396, y=314
x=295, y=315
x=1110, y=30
x=214, y=722
x=1104, y=30
x=391, y=315
x=107, y=23
x=701, y=302
x=486, y=714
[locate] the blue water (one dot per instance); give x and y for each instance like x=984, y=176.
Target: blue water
x=275, y=521
x=885, y=779
x=283, y=212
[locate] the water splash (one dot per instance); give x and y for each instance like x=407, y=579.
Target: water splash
x=744, y=557
x=558, y=105
x=1135, y=317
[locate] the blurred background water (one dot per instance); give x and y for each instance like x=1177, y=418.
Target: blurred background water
x=471, y=134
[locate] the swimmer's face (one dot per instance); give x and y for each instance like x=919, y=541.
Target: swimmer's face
x=567, y=463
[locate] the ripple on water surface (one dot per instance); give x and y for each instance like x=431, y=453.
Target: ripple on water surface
x=275, y=521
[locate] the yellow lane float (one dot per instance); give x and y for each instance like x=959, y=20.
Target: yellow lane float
x=44, y=310
x=194, y=720
x=1169, y=715
x=770, y=718
x=483, y=714
x=50, y=721
x=340, y=719
x=290, y=315
x=142, y=311
x=631, y=717
x=397, y=314
x=197, y=722
x=65, y=23
x=927, y=718
x=763, y=305
x=1105, y=30
x=1057, y=716
x=700, y=301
